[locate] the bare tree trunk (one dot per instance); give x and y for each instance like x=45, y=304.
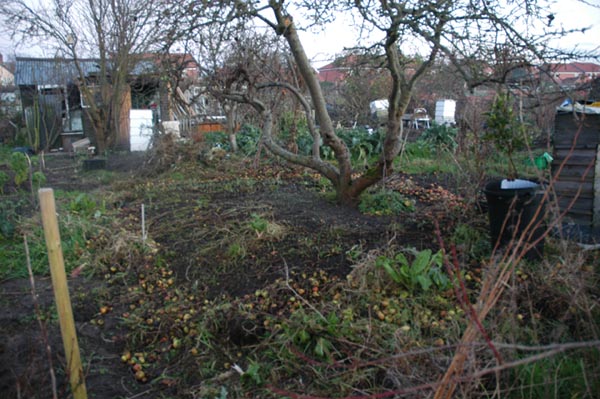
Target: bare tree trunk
x=231, y=112
x=122, y=120
x=343, y=179
x=166, y=111
x=293, y=141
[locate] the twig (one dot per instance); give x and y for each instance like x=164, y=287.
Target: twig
x=137, y=395
x=39, y=320
x=491, y=289
x=287, y=283
x=42, y=161
x=464, y=298
x=30, y=176
x=468, y=307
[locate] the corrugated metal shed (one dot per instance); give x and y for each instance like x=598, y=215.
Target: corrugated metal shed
x=575, y=169
x=51, y=71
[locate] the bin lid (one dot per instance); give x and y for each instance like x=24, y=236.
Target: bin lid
x=516, y=184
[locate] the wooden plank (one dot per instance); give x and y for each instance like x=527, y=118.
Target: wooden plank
x=585, y=220
x=577, y=186
x=61, y=293
x=581, y=203
x=577, y=153
x=586, y=142
x=584, y=189
x=569, y=125
x=561, y=159
x=574, y=173
x=211, y=127
x=584, y=216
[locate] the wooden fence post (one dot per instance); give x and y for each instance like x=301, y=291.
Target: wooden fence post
x=61, y=293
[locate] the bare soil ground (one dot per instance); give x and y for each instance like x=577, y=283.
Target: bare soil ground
x=24, y=364
x=191, y=229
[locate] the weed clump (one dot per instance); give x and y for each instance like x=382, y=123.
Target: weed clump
x=385, y=202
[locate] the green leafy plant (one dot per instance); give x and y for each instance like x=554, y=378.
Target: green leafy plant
x=361, y=143
x=84, y=204
x=258, y=224
x=315, y=333
x=236, y=250
x=217, y=139
x=8, y=217
x=323, y=347
x=3, y=180
x=20, y=166
x=440, y=138
x=252, y=374
x=75, y=229
x=247, y=139
x=471, y=241
x=505, y=130
x=38, y=179
x=385, y=202
x=177, y=176
x=424, y=271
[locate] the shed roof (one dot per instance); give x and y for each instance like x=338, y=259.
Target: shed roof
x=61, y=71
x=51, y=71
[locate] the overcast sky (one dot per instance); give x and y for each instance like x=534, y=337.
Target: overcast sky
x=570, y=14
x=322, y=46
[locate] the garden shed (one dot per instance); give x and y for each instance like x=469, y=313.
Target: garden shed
x=51, y=101
x=576, y=171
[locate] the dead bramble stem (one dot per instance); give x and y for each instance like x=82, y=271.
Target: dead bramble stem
x=492, y=287
x=453, y=270
x=41, y=324
x=287, y=283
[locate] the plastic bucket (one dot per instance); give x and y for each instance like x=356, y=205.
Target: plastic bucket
x=514, y=211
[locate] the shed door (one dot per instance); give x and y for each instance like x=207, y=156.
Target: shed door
x=140, y=129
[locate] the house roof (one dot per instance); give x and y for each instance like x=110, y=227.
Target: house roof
x=150, y=61
x=332, y=74
x=51, y=71
x=339, y=69
x=575, y=67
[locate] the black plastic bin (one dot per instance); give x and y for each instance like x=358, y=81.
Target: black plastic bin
x=518, y=207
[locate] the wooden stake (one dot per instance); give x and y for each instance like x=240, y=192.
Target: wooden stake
x=61, y=293
x=143, y=224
